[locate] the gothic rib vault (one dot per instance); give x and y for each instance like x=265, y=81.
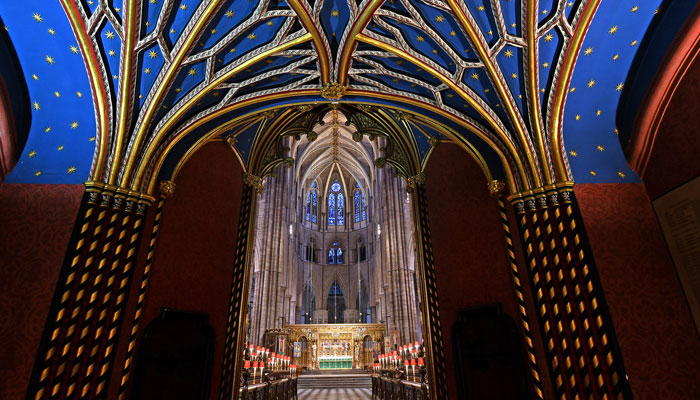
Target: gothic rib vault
x=530, y=87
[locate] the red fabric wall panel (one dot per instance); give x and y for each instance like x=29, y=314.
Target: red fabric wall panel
x=468, y=243
x=193, y=264
x=36, y=222
x=659, y=344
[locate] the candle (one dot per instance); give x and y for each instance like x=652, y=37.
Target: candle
x=413, y=369
x=405, y=364
x=255, y=368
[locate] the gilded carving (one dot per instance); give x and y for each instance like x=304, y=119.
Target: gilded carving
x=166, y=189
x=254, y=181
x=332, y=91
x=496, y=188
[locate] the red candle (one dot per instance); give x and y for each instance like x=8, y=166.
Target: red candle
x=246, y=364
x=420, y=361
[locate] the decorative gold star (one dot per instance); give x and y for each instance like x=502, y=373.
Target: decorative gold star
x=573, y=153
x=615, y=57
x=152, y=54
x=548, y=37
x=36, y=106
x=621, y=174
x=612, y=30
x=79, y=94
x=600, y=148
x=480, y=8
x=633, y=43
x=60, y=148
x=229, y=14
x=74, y=125
x=49, y=59
x=420, y=38
x=35, y=77
x=152, y=1
x=513, y=25
x=73, y=49
x=37, y=173
x=47, y=129
x=183, y=7
x=508, y=53
x=57, y=94
x=147, y=71
x=634, y=9
x=544, y=12
x=487, y=90
x=439, y=18
x=593, y=173
x=573, y=89
x=251, y=36
x=92, y=139
x=172, y=30
x=453, y=33
x=192, y=71
x=109, y=35
x=269, y=23
x=619, y=86
x=545, y=65
x=111, y=53
x=599, y=113
x=588, y=51
x=37, y=17
x=335, y=13
x=490, y=33
x=177, y=90
x=32, y=153
x=591, y=83
x=578, y=117
x=514, y=75
x=52, y=32
x=213, y=31
x=115, y=76
x=475, y=76
x=71, y=169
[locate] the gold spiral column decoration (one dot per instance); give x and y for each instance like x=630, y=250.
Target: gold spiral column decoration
x=496, y=189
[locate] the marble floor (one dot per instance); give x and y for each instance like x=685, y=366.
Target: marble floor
x=335, y=394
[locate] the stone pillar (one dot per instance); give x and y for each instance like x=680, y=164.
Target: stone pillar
x=351, y=316
x=320, y=316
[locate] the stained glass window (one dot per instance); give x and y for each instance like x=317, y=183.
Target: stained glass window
x=364, y=208
x=331, y=209
x=335, y=187
x=314, y=206
x=339, y=256
x=357, y=206
x=331, y=256
x=308, y=206
x=341, y=205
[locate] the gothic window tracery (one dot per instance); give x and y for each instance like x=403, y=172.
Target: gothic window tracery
x=336, y=204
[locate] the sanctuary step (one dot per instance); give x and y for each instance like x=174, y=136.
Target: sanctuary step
x=351, y=378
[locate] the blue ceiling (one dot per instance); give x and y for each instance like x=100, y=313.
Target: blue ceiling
x=61, y=143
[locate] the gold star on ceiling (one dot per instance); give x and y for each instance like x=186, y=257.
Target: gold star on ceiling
x=335, y=13
x=233, y=50
x=71, y=169
x=147, y=71
x=213, y=31
x=47, y=129
x=508, y=53
x=251, y=36
x=152, y=54
x=49, y=59
x=578, y=117
x=32, y=153
x=453, y=33
x=600, y=148
x=73, y=49
x=37, y=173
x=229, y=14
x=60, y=148
x=514, y=75
x=420, y=38
x=52, y=32
x=612, y=30
x=548, y=37
x=545, y=65
x=109, y=35
x=615, y=57
x=593, y=173
x=544, y=12
x=111, y=53
x=591, y=83
x=573, y=89
x=475, y=76
x=634, y=9
x=573, y=153
x=480, y=8
x=74, y=125
x=599, y=113
x=588, y=51
x=79, y=94
x=37, y=17
x=619, y=86
x=621, y=174
x=183, y=7
x=35, y=77
x=439, y=18
x=633, y=43
x=192, y=71
x=36, y=106
x=57, y=94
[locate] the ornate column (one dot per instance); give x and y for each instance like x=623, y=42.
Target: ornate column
x=427, y=283
x=580, y=343
x=240, y=286
x=77, y=349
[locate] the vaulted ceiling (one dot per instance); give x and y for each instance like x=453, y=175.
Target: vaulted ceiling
x=122, y=90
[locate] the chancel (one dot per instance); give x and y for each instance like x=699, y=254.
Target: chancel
x=402, y=199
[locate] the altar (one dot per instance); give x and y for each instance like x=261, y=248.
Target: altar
x=335, y=346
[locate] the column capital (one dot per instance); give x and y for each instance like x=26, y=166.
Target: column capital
x=496, y=188
x=255, y=182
